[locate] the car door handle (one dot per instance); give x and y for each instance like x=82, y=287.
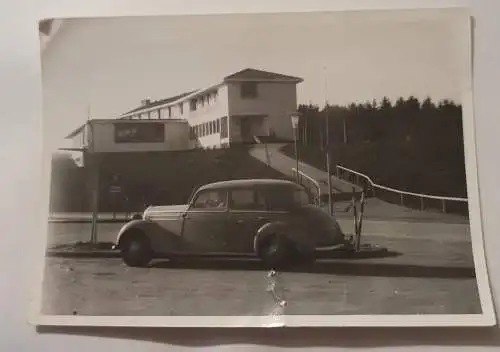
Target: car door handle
x=262, y=218
x=240, y=221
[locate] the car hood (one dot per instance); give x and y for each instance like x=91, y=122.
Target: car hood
x=162, y=209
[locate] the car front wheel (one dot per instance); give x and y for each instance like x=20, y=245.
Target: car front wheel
x=136, y=251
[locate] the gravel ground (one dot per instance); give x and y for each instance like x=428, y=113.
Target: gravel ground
x=107, y=287
x=393, y=285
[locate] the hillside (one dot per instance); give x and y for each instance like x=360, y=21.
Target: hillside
x=152, y=178
x=395, y=164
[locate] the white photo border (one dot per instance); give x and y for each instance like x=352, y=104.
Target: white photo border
x=486, y=318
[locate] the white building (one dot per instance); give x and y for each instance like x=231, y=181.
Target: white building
x=247, y=104
x=108, y=136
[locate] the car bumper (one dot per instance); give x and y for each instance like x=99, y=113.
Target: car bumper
x=345, y=244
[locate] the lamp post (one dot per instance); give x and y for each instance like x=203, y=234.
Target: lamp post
x=294, y=117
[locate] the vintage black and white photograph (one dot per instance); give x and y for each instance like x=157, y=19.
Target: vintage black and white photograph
x=273, y=169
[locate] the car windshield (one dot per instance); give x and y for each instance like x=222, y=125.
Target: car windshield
x=285, y=197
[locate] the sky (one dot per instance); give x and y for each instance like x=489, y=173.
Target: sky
x=106, y=66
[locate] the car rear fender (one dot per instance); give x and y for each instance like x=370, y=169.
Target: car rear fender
x=160, y=239
x=276, y=228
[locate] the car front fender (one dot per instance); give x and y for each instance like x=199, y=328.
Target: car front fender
x=161, y=240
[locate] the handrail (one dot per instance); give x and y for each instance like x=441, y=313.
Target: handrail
x=373, y=184
x=312, y=180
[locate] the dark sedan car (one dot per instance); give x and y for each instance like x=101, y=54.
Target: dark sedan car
x=273, y=220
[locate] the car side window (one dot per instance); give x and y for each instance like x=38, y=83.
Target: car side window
x=246, y=199
x=210, y=199
x=279, y=199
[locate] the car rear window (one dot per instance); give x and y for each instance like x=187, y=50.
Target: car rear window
x=284, y=198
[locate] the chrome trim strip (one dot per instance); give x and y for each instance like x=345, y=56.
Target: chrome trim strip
x=329, y=248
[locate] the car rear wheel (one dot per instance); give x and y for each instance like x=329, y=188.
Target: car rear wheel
x=136, y=250
x=276, y=251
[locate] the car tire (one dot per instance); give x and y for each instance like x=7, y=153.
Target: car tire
x=276, y=251
x=136, y=250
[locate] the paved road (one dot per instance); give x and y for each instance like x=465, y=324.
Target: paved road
x=107, y=287
x=284, y=164
x=415, y=243
x=429, y=273
x=376, y=209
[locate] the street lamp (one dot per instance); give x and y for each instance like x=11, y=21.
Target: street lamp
x=294, y=117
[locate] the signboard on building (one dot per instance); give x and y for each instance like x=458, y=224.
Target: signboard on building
x=115, y=189
x=151, y=132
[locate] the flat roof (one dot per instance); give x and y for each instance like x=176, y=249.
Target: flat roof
x=81, y=127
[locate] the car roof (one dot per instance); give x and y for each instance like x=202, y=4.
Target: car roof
x=248, y=183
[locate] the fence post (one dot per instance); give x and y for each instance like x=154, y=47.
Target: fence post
x=443, y=204
x=354, y=209
x=421, y=203
x=319, y=197
x=401, y=196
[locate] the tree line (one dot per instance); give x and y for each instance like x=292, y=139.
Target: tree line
x=408, y=143
x=404, y=120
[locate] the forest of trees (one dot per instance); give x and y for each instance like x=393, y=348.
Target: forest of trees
x=408, y=144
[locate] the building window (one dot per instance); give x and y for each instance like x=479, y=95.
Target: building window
x=192, y=104
x=169, y=112
x=217, y=128
x=181, y=108
x=159, y=114
x=249, y=90
x=224, y=132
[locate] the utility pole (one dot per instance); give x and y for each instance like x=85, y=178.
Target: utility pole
x=327, y=122
x=345, y=130
x=94, y=179
x=295, y=125
x=330, y=200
